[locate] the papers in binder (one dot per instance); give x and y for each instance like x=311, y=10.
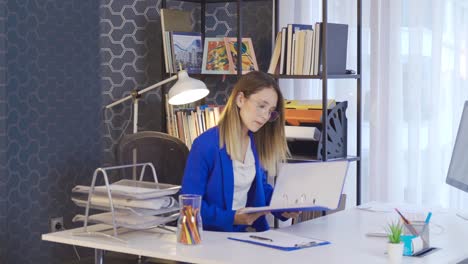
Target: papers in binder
x=278, y=240
x=306, y=186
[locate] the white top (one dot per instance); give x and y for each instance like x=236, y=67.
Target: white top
x=244, y=173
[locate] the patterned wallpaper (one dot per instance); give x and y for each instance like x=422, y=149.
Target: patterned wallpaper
x=66, y=60
x=132, y=56
x=3, y=171
x=53, y=98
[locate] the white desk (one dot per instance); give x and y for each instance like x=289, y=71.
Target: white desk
x=345, y=230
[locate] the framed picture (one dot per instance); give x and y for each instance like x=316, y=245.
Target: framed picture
x=249, y=61
x=215, y=59
x=187, y=51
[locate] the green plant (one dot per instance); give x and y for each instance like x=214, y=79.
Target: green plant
x=394, y=232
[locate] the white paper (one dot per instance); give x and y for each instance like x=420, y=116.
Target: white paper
x=132, y=189
x=155, y=204
x=417, y=244
x=128, y=220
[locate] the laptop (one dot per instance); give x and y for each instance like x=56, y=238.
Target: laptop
x=307, y=186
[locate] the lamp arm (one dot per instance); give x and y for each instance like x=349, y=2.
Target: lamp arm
x=142, y=91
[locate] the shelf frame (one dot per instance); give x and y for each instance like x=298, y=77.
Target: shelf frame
x=324, y=77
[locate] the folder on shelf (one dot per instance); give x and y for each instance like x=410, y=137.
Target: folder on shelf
x=308, y=104
x=302, y=133
x=337, y=43
x=278, y=240
x=296, y=117
x=306, y=186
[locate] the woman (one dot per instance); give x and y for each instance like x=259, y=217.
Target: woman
x=229, y=163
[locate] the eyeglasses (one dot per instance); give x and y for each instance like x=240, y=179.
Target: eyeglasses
x=263, y=108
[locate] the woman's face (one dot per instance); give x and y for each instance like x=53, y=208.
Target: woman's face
x=256, y=109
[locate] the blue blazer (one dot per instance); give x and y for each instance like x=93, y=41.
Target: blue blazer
x=209, y=173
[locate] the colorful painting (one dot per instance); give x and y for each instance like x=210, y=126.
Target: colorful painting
x=215, y=59
x=249, y=62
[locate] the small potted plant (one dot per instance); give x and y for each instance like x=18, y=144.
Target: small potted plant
x=395, y=245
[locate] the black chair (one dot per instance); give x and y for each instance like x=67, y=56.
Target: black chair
x=167, y=153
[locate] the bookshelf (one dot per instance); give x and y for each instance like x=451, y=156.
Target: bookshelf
x=324, y=77
x=239, y=19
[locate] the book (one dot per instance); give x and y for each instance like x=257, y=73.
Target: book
x=316, y=55
x=278, y=240
x=283, y=51
x=337, y=43
x=215, y=58
x=249, y=61
x=187, y=51
x=307, y=52
x=173, y=20
x=275, y=57
x=292, y=28
x=306, y=186
x=299, y=52
x=308, y=104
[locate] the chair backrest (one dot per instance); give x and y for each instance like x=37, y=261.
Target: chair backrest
x=167, y=153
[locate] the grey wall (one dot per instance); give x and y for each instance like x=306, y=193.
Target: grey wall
x=3, y=171
x=51, y=123
x=60, y=63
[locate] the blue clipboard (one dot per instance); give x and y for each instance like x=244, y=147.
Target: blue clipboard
x=278, y=240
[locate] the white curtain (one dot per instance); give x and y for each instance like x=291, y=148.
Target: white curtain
x=414, y=57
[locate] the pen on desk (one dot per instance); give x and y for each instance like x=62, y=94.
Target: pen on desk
x=407, y=223
x=261, y=238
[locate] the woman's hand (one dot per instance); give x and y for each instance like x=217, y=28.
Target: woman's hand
x=246, y=219
x=290, y=214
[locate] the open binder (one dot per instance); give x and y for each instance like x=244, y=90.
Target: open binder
x=278, y=240
x=307, y=186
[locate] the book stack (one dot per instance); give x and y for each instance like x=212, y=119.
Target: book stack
x=298, y=50
x=188, y=123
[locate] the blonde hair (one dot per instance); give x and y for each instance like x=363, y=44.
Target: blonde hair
x=270, y=139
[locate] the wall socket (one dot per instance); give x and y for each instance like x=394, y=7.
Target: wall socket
x=56, y=224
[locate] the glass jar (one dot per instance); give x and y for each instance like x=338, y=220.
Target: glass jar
x=189, y=224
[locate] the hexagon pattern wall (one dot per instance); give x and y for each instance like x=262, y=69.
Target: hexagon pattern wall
x=65, y=61
x=3, y=171
x=53, y=98
x=132, y=57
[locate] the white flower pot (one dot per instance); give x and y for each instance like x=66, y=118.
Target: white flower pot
x=395, y=253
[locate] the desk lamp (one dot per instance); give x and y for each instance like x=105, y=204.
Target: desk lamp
x=185, y=90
